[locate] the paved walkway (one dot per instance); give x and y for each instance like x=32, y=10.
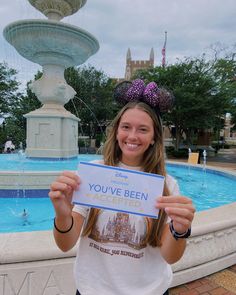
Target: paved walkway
x=224, y=159
x=222, y=282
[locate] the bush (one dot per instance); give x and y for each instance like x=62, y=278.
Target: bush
x=180, y=153
x=217, y=146
x=85, y=142
x=169, y=150
x=99, y=139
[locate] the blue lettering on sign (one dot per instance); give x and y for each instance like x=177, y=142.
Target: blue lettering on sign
x=136, y=195
x=105, y=189
x=120, y=175
x=97, y=188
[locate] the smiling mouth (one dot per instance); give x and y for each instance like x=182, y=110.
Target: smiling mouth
x=131, y=146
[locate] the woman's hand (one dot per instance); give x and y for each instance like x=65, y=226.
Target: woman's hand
x=180, y=209
x=61, y=191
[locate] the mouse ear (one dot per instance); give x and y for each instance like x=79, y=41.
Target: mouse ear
x=151, y=94
x=120, y=91
x=135, y=91
x=166, y=100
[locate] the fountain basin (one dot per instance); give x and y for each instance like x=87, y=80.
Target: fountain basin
x=28, y=180
x=211, y=247
x=61, y=8
x=51, y=42
x=30, y=262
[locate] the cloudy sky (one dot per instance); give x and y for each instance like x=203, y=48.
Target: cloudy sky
x=192, y=26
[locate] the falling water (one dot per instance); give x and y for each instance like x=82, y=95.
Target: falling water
x=23, y=211
x=189, y=166
x=204, y=168
x=93, y=114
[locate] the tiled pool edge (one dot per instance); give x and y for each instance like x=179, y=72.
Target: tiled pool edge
x=41, y=180
x=212, y=169
x=28, y=180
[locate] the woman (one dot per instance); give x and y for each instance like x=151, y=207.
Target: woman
x=121, y=253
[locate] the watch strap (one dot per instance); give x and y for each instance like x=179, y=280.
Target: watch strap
x=177, y=235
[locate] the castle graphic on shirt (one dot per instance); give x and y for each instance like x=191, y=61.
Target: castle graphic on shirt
x=119, y=228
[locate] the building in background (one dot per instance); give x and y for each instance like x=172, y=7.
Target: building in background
x=228, y=133
x=133, y=65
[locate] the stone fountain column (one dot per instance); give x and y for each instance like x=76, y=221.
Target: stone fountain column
x=52, y=131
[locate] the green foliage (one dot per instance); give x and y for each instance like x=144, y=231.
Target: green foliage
x=224, y=72
x=220, y=145
x=16, y=122
x=93, y=102
x=8, y=88
x=100, y=138
x=202, y=95
x=9, y=97
x=83, y=142
x=180, y=153
x=3, y=137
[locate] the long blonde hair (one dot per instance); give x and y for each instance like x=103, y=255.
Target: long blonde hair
x=153, y=162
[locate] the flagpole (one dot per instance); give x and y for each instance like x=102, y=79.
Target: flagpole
x=164, y=51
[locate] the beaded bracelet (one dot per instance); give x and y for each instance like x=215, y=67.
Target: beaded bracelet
x=177, y=235
x=63, y=231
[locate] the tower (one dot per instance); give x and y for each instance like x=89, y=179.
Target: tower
x=133, y=65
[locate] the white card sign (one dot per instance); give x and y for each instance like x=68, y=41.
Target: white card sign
x=118, y=189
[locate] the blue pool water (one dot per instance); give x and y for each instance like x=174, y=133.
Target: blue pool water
x=18, y=162
x=208, y=189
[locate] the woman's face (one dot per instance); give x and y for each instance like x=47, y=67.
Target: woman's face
x=135, y=133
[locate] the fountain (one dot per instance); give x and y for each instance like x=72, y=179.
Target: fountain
x=189, y=155
x=52, y=131
x=204, y=154
x=204, y=159
x=30, y=262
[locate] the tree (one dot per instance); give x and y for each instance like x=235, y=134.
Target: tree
x=199, y=103
x=16, y=123
x=93, y=102
x=8, y=88
x=9, y=94
x=224, y=73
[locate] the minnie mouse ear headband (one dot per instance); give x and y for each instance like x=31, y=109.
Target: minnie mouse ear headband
x=158, y=98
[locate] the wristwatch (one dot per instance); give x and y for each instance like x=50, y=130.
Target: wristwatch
x=177, y=235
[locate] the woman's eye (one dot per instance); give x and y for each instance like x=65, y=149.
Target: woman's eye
x=143, y=129
x=125, y=127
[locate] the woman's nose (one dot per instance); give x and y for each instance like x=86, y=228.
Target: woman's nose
x=132, y=133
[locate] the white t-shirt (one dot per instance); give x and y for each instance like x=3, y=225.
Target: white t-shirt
x=114, y=260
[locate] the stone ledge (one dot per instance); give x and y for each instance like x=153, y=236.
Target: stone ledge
x=211, y=248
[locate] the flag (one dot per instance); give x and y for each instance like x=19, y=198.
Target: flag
x=163, y=51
